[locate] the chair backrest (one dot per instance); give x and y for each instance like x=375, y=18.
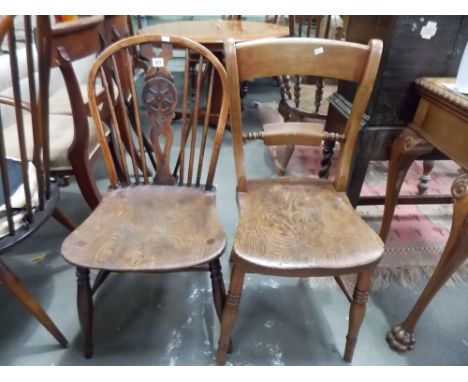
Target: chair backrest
x=164, y=94
x=25, y=184
x=303, y=56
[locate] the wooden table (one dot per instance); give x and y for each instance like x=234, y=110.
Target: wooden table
x=441, y=121
x=212, y=34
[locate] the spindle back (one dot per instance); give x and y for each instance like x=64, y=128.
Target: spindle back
x=25, y=187
x=161, y=107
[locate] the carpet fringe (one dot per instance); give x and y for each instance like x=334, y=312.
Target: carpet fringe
x=405, y=276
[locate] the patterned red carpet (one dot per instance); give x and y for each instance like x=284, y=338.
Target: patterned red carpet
x=418, y=232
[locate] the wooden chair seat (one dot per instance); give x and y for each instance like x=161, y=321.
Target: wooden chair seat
x=148, y=228
x=312, y=228
x=61, y=130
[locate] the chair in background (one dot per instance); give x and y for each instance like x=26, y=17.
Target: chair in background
x=28, y=197
x=72, y=47
x=168, y=222
x=301, y=97
x=301, y=227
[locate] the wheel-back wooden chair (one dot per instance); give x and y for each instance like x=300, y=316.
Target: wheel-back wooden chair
x=27, y=197
x=166, y=222
x=300, y=227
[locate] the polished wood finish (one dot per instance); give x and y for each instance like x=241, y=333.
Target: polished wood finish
x=441, y=121
x=300, y=227
x=152, y=222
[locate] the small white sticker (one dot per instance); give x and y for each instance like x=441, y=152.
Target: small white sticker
x=158, y=62
x=165, y=39
x=318, y=51
x=429, y=30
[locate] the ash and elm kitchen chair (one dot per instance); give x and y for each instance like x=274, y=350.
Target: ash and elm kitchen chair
x=292, y=226
x=166, y=222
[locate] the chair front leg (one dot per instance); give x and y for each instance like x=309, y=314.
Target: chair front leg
x=357, y=312
x=85, y=309
x=230, y=312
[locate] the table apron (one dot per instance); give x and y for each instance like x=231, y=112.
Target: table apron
x=444, y=129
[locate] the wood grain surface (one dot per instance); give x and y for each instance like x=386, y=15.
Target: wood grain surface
x=310, y=227
x=148, y=228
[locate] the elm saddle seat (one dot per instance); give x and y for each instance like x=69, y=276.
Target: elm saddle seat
x=147, y=228
x=311, y=227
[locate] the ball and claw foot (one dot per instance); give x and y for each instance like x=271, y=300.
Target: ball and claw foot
x=400, y=340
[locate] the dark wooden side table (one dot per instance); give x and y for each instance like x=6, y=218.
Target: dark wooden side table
x=440, y=122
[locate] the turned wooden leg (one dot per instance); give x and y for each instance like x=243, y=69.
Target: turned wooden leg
x=230, y=312
x=327, y=152
x=85, y=309
x=423, y=184
x=63, y=219
x=16, y=287
x=357, y=312
x=406, y=148
x=219, y=292
x=401, y=337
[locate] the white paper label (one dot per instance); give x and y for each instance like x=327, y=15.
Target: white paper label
x=158, y=62
x=429, y=30
x=165, y=39
x=318, y=51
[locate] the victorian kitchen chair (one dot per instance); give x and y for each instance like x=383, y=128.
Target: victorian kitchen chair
x=166, y=222
x=27, y=197
x=300, y=227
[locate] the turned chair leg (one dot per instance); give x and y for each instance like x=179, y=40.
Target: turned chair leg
x=401, y=337
x=406, y=148
x=85, y=309
x=423, y=185
x=219, y=291
x=16, y=287
x=230, y=312
x=357, y=312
